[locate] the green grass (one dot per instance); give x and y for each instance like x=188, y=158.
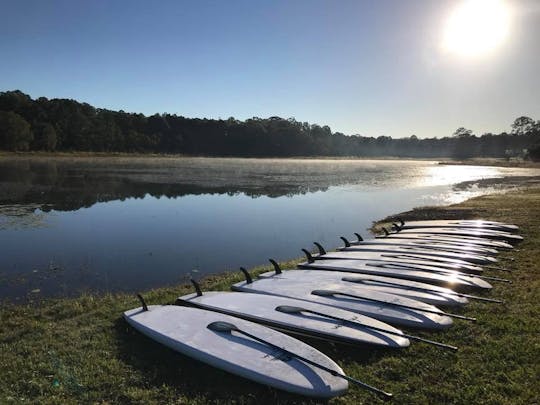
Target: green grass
x=81, y=350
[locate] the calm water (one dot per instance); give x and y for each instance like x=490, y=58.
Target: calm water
x=68, y=226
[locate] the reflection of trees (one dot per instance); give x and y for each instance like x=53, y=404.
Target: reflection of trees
x=67, y=186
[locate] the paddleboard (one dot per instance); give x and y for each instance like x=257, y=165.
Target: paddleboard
x=407, y=272
x=385, y=312
x=466, y=257
x=437, y=264
x=185, y=330
x=429, y=294
x=462, y=240
x=431, y=245
x=265, y=309
x=460, y=223
x=491, y=235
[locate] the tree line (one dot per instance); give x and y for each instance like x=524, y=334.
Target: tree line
x=67, y=125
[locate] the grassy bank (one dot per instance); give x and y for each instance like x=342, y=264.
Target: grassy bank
x=80, y=350
x=500, y=162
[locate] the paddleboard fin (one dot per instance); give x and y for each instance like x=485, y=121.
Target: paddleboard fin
x=321, y=249
x=249, y=280
x=309, y=257
x=276, y=266
x=144, y=307
x=197, y=287
x=396, y=226
x=360, y=239
x=344, y=239
x=402, y=221
x=386, y=233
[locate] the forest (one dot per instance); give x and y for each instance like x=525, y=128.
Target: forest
x=68, y=125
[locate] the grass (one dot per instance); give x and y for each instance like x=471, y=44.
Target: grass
x=81, y=350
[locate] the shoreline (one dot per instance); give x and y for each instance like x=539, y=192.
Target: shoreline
x=80, y=349
x=496, y=162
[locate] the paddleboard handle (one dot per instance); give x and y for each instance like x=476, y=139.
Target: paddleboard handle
x=344, y=239
x=360, y=239
x=277, y=269
x=197, y=287
x=309, y=257
x=144, y=307
x=249, y=280
x=320, y=247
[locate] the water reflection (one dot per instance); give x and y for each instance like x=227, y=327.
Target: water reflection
x=452, y=174
x=129, y=224
x=67, y=184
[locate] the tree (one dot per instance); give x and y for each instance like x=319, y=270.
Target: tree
x=464, y=143
x=49, y=137
x=44, y=137
x=15, y=133
x=523, y=125
x=462, y=133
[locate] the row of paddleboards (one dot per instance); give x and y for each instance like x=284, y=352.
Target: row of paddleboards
x=362, y=294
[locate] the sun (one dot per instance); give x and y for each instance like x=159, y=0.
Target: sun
x=476, y=27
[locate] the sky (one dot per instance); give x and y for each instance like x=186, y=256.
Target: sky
x=361, y=67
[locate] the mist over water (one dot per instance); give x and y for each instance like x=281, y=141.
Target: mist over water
x=125, y=224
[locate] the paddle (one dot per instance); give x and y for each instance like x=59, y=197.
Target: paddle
x=450, y=292
x=226, y=327
x=296, y=310
x=497, y=268
x=326, y=293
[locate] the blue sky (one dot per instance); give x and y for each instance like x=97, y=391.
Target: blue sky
x=362, y=67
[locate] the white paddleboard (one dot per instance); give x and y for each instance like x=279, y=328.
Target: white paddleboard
x=185, y=330
x=264, y=309
x=494, y=235
x=467, y=257
x=443, y=264
x=404, y=271
x=431, y=245
x=462, y=240
x=429, y=294
x=461, y=223
x=394, y=315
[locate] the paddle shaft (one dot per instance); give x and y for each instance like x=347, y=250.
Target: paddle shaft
x=466, y=318
x=384, y=394
x=337, y=318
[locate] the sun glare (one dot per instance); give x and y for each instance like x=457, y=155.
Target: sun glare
x=476, y=27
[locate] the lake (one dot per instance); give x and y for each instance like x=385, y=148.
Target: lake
x=69, y=225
